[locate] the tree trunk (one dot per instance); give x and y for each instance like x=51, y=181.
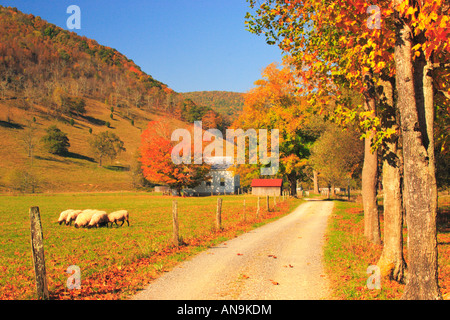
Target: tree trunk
x=370, y=174
x=391, y=262
x=316, y=181
x=422, y=279
x=292, y=177
x=333, y=191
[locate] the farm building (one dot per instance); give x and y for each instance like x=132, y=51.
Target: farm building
x=223, y=181
x=264, y=187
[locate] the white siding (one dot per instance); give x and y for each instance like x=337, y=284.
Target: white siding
x=217, y=176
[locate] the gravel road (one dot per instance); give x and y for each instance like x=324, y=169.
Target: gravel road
x=278, y=261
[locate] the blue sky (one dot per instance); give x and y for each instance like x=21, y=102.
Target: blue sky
x=191, y=45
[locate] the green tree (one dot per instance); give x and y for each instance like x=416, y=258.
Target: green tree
x=337, y=155
x=77, y=106
x=56, y=141
x=106, y=144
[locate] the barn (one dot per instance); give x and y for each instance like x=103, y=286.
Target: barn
x=264, y=187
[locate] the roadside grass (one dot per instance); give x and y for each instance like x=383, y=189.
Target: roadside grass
x=348, y=254
x=115, y=262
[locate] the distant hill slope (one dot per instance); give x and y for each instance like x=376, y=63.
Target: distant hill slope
x=79, y=170
x=50, y=76
x=227, y=103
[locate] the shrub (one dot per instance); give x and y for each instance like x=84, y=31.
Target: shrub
x=56, y=141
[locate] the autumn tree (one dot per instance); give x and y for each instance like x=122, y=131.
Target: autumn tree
x=337, y=155
x=328, y=59
x=29, y=139
x=212, y=120
x=411, y=46
x=157, y=164
x=106, y=144
x=422, y=25
x=275, y=104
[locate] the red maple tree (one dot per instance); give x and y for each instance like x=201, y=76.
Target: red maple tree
x=158, y=166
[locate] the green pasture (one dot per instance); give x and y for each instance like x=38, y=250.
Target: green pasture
x=96, y=249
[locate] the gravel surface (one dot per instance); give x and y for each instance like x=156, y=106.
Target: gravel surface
x=278, y=261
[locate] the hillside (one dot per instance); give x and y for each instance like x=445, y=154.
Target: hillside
x=50, y=76
x=228, y=104
x=77, y=171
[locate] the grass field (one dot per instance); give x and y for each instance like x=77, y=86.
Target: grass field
x=348, y=254
x=114, y=262
x=77, y=171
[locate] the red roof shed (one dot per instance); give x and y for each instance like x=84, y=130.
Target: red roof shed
x=267, y=182
x=263, y=187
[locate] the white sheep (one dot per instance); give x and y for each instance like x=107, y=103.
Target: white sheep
x=99, y=218
x=84, y=218
x=72, y=216
x=63, y=215
x=121, y=215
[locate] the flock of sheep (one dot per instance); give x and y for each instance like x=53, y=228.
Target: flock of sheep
x=93, y=218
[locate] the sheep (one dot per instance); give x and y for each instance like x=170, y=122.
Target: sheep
x=84, y=218
x=121, y=215
x=72, y=216
x=63, y=215
x=99, y=218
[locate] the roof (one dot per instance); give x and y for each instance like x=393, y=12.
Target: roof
x=267, y=182
x=219, y=163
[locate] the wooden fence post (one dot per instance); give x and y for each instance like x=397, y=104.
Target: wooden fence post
x=37, y=248
x=176, y=236
x=257, y=209
x=267, y=203
x=219, y=214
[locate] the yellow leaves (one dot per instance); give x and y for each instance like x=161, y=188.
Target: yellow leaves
x=381, y=65
x=411, y=11
x=433, y=16
x=402, y=6
x=444, y=23
x=416, y=47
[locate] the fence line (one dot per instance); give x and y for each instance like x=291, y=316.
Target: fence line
x=218, y=216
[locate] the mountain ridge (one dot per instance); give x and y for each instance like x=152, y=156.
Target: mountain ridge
x=51, y=76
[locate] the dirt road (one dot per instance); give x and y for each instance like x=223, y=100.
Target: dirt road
x=280, y=261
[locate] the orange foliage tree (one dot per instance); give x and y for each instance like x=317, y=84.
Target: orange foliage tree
x=334, y=45
x=275, y=104
x=158, y=166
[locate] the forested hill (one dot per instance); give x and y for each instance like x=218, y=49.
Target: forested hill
x=45, y=64
x=228, y=104
x=37, y=57
x=52, y=77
